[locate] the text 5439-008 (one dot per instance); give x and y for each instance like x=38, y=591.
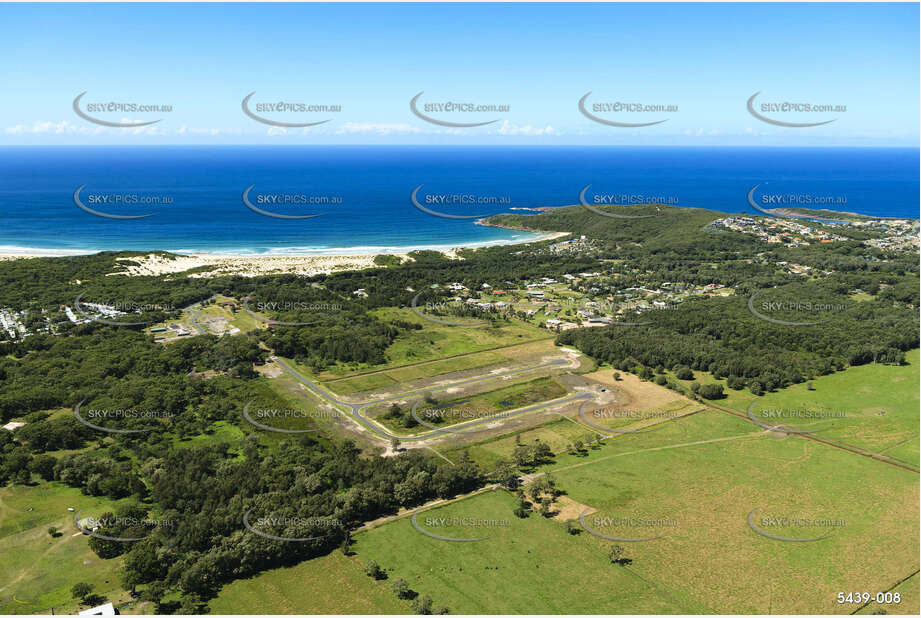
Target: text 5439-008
x=865, y=597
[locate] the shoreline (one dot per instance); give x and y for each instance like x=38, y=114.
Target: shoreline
x=222, y=263
x=544, y=235
x=12, y=252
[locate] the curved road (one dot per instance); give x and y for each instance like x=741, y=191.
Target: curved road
x=355, y=409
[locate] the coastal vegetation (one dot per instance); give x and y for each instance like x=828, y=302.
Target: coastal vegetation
x=175, y=452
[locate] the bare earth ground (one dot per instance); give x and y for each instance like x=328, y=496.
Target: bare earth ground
x=643, y=395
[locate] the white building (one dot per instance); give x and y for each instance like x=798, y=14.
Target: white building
x=101, y=610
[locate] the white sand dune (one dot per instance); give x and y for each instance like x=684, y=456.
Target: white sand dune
x=246, y=265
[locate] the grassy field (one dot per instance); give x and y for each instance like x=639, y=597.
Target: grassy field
x=357, y=384
x=221, y=431
x=239, y=318
x=37, y=571
x=708, y=485
x=448, y=365
x=435, y=342
x=879, y=404
x=520, y=571
x=428, y=369
x=652, y=402
x=908, y=602
x=330, y=584
x=312, y=412
x=558, y=434
x=530, y=566
x=452, y=411
x=711, y=470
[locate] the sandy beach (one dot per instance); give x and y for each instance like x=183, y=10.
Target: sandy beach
x=212, y=265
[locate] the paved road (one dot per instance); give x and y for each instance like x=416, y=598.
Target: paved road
x=195, y=318
x=355, y=409
x=195, y=321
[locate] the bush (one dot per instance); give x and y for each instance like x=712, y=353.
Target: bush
x=422, y=605
x=735, y=383
x=684, y=373
x=711, y=391
x=373, y=570
x=401, y=589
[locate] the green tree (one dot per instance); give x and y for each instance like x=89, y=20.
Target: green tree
x=615, y=554
x=422, y=605
x=81, y=590
x=373, y=570
x=711, y=391
x=401, y=588
x=43, y=465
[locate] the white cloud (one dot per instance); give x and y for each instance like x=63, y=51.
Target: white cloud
x=378, y=128
x=63, y=127
x=701, y=132
x=186, y=130
x=509, y=128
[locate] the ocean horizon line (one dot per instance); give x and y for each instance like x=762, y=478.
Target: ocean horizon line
x=109, y=146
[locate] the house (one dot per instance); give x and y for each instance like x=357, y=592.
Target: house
x=499, y=292
x=13, y=425
x=360, y=293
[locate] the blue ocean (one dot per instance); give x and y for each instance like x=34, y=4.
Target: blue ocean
x=363, y=194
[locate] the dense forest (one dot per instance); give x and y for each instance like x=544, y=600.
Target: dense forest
x=187, y=503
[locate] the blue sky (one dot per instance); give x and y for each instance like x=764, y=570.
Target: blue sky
x=536, y=59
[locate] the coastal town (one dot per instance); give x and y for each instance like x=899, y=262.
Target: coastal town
x=563, y=305
x=892, y=234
